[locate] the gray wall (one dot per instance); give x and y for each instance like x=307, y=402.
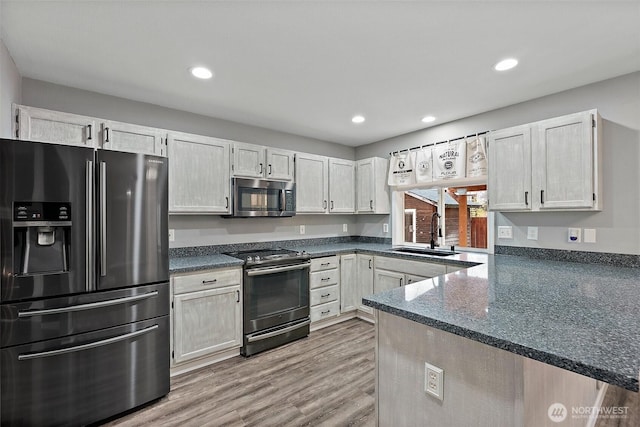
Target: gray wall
x=10, y=90
x=618, y=224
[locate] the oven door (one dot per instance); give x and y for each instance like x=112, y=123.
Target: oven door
x=275, y=295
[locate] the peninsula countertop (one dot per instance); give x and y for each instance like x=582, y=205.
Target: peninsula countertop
x=580, y=317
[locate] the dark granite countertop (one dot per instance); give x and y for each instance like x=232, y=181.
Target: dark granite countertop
x=580, y=317
x=203, y=262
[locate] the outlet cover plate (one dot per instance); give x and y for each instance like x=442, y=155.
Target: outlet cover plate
x=385, y=228
x=434, y=381
x=172, y=235
x=574, y=235
x=505, y=232
x=532, y=233
x=345, y=228
x=302, y=230
x=589, y=235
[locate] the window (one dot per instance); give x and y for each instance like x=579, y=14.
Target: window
x=462, y=220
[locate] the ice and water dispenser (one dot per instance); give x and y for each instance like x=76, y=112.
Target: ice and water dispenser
x=42, y=235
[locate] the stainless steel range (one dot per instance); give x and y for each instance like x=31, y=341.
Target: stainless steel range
x=276, y=298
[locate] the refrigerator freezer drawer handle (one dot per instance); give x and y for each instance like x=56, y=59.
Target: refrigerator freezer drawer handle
x=88, y=346
x=103, y=219
x=90, y=306
x=261, y=337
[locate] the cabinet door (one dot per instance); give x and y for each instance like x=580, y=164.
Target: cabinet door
x=365, y=186
x=563, y=162
x=348, y=283
x=311, y=183
x=198, y=174
x=412, y=278
x=341, y=186
x=206, y=322
x=119, y=136
x=37, y=124
x=510, y=169
x=385, y=280
x=280, y=164
x=248, y=160
x=365, y=281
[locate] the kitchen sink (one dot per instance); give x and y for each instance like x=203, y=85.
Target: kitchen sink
x=426, y=251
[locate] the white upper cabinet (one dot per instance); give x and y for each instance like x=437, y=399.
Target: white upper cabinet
x=341, y=186
x=37, y=124
x=256, y=161
x=312, y=183
x=564, y=154
x=553, y=164
x=198, y=174
x=372, y=191
x=510, y=169
x=120, y=136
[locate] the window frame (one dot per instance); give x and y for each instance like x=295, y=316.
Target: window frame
x=397, y=223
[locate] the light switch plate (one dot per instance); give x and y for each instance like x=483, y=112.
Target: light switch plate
x=589, y=235
x=302, y=230
x=172, y=235
x=385, y=228
x=532, y=233
x=505, y=232
x=345, y=228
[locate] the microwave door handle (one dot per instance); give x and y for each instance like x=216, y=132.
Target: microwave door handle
x=283, y=200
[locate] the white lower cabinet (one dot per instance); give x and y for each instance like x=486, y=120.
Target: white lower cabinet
x=324, y=285
x=364, y=281
x=207, y=313
x=394, y=272
x=348, y=283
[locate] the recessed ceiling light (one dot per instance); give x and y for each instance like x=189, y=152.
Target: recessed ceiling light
x=358, y=119
x=201, y=72
x=505, y=64
x=428, y=119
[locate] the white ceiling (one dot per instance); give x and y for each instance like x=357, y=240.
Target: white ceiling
x=306, y=67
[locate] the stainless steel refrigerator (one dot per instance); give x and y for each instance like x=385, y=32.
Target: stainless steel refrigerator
x=84, y=295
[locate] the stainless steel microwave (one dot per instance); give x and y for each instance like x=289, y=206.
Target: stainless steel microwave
x=259, y=197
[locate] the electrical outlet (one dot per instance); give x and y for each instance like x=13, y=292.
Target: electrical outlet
x=505, y=232
x=302, y=230
x=434, y=381
x=532, y=233
x=172, y=235
x=345, y=228
x=385, y=228
x=574, y=235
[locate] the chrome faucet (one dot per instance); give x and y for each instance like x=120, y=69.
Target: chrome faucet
x=435, y=215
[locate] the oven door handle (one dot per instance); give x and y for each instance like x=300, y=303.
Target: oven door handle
x=270, y=270
x=278, y=332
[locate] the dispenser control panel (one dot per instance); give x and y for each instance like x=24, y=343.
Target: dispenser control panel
x=41, y=211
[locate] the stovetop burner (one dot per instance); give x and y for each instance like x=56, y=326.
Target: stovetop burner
x=269, y=256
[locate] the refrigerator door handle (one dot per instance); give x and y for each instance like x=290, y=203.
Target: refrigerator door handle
x=88, y=346
x=89, y=306
x=89, y=251
x=103, y=219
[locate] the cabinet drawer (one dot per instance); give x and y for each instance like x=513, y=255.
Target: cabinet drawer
x=323, y=278
x=325, y=263
x=326, y=294
x=418, y=268
x=324, y=311
x=206, y=280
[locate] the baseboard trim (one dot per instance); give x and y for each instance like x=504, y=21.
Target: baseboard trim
x=192, y=365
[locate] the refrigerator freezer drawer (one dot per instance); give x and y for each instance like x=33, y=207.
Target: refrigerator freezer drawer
x=85, y=378
x=50, y=318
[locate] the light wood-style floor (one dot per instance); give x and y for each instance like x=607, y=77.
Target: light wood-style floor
x=324, y=379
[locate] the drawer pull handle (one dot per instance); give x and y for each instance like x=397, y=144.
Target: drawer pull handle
x=325, y=296
x=325, y=263
x=322, y=313
x=324, y=279
x=207, y=282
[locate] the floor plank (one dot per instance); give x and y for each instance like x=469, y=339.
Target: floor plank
x=324, y=379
